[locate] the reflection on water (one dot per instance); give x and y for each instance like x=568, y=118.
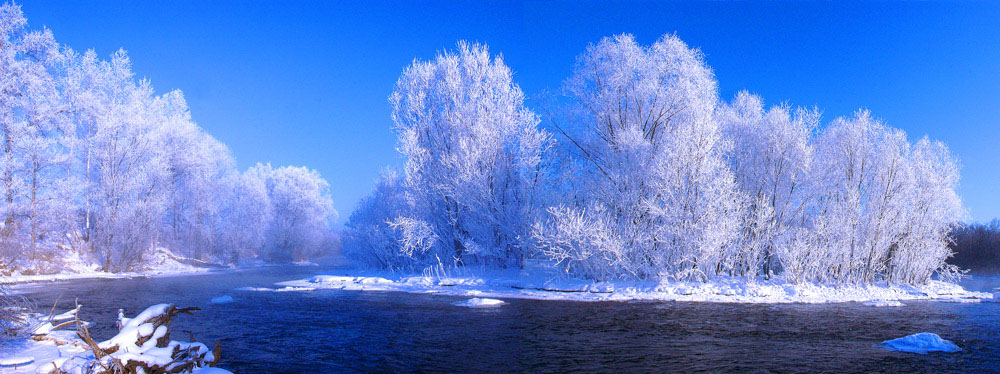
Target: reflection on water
x=328, y=331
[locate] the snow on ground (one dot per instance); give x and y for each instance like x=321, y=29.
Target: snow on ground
x=224, y=299
x=161, y=263
x=920, y=343
x=64, y=350
x=480, y=303
x=533, y=284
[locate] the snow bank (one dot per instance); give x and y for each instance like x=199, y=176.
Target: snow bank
x=480, y=303
x=542, y=285
x=224, y=299
x=884, y=303
x=162, y=262
x=920, y=343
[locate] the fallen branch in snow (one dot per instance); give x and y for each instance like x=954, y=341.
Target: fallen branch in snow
x=142, y=346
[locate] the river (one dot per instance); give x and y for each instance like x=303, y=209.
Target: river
x=334, y=331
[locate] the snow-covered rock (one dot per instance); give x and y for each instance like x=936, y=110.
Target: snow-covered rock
x=921, y=343
x=480, y=303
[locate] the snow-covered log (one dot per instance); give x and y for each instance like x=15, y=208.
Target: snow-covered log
x=142, y=345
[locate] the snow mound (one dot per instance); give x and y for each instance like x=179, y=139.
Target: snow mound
x=920, y=343
x=884, y=303
x=224, y=299
x=480, y=303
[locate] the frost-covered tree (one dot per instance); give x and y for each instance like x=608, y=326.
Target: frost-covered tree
x=881, y=205
x=198, y=166
x=245, y=213
x=933, y=209
x=373, y=237
x=473, y=159
x=653, y=178
x=92, y=161
x=651, y=165
x=128, y=170
x=770, y=158
x=300, y=211
x=34, y=128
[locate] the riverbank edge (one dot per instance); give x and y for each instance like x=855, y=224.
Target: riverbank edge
x=722, y=290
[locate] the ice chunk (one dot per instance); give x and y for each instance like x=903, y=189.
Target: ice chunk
x=224, y=299
x=480, y=303
x=920, y=343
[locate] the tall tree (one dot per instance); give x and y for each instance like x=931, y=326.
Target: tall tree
x=473, y=157
x=643, y=127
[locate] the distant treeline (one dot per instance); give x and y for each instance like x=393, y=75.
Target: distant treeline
x=977, y=247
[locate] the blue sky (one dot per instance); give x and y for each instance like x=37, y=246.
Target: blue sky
x=306, y=83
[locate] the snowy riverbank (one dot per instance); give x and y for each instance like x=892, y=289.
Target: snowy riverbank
x=726, y=290
x=161, y=263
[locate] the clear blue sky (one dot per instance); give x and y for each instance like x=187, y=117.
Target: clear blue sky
x=305, y=83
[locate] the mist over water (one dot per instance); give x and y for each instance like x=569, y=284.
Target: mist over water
x=330, y=331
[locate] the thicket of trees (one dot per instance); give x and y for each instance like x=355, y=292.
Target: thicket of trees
x=94, y=162
x=977, y=247
x=642, y=172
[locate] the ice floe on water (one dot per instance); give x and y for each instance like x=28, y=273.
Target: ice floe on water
x=921, y=343
x=480, y=303
x=224, y=299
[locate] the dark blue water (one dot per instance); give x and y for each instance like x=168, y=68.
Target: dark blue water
x=332, y=331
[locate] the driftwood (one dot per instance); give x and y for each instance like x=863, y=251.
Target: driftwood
x=141, y=346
